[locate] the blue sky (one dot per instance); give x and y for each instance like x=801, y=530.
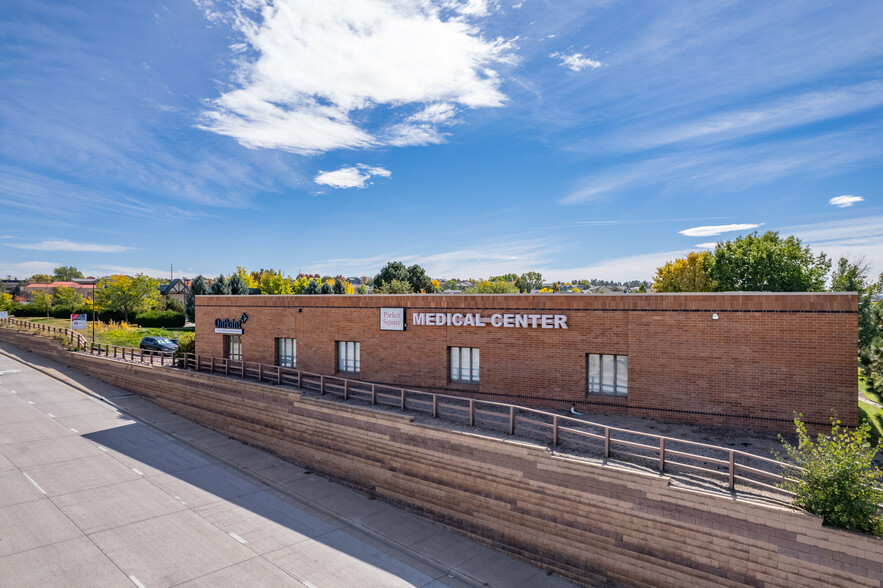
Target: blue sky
x=580, y=139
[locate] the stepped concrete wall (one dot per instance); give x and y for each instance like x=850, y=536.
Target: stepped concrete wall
x=597, y=525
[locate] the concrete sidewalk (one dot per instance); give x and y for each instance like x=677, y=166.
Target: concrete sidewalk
x=387, y=532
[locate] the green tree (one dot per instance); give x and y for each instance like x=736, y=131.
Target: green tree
x=529, y=281
x=41, y=301
x=275, y=282
x=313, y=287
x=504, y=278
x=686, y=274
x=197, y=288
x=419, y=281
x=40, y=279
x=767, y=263
x=5, y=301
x=326, y=288
x=66, y=273
x=220, y=286
x=66, y=298
x=339, y=286
x=363, y=289
x=127, y=295
x=237, y=285
x=394, y=270
x=852, y=276
x=838, y=478
x=495, y=287
x=395, y=287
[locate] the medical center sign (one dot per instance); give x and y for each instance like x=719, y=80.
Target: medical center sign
x=512, y=321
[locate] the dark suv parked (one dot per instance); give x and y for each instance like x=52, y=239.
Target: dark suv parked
x=158, y=344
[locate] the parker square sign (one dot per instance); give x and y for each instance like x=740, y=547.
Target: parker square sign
x=78, y=322
x=392, y=319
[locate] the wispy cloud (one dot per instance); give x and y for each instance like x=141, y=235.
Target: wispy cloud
x=854, y=238
x=706, y=245
x=845, y=201
x=5, y=236
x=64, y=245
x=26, y=269
x=353, y=55
x=132, y=270
x=717, y=230
x=633, y=267
x=784, y=113
x=735, y=168
x=576, y=61
x=356, y=176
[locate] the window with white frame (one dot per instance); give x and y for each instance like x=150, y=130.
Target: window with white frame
x=464, y=364
x=286, y=352
x=348, y=356
x=233, y=347
x=608, y=374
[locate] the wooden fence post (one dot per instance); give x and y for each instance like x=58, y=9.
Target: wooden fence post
x=435, y=406
x=322, y=385
x=555, y=430
x=403, y=399
x=511, y=420
x=373, y=394
x=606, y=442
x=732, y=470
x=662, y=455
x=471, y=413
x=346, y=389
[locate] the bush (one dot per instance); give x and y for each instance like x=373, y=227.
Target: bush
x=160, y=318
x=838, y=481
x=26, y=310
x=186, y=344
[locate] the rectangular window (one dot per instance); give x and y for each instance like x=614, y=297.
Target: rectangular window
x=286, y=352
x=348, y=357
x=464, y=364
x=233, y=347
x=608, y=374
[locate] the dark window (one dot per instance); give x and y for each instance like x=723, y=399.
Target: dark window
x=608, y=374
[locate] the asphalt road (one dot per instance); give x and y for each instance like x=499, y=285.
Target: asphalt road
x=90, y=496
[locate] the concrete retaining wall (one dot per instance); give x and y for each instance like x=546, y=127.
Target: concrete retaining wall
x=597, y=525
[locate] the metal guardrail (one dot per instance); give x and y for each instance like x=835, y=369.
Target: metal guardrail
x=144, y=356
x=666, y=453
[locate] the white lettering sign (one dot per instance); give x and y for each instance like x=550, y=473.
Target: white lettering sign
x=511, y=321
x=4, y=314
x=228, y=331
x=78, y=322
x=392, y=319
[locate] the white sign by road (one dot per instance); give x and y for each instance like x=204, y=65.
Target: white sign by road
x=78, y=322
x=4, y=314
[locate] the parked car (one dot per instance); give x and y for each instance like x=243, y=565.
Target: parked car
x=158, y=344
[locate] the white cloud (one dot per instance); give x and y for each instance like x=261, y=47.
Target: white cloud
x=5, y=236
x=853, y=238
x=27, y=269
x=356, y=176
x=131, y=271
x=633, y=267
x=316, y=64
x=716, y=230
x=706, y=245
x=64, y=245
x=845, y=200
x=575, y=61
x=785, y=113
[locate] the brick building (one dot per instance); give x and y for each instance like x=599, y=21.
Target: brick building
x=747, y=359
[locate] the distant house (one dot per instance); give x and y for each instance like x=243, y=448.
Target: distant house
x=177, y=289
x=85, y=290
x=8, y=286
x=355, y=281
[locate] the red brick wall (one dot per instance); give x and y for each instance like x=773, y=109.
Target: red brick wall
x=767, y=355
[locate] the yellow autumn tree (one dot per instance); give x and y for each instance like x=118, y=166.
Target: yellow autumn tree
x=686, y=274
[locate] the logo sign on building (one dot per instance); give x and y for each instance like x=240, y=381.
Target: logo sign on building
x=230, y=326
x=78, y=322
x=392, y=319
x=512, y=321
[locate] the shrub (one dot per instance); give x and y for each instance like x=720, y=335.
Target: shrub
x=160, y=318
x=838, y=480
x=186, y=344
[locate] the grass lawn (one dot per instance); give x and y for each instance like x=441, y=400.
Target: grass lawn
x=130, y=337
x=873, y=415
